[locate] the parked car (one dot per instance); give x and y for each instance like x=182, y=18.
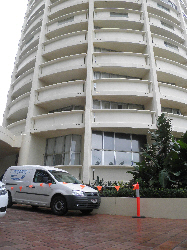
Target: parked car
x=49, y=187
x=3, y=199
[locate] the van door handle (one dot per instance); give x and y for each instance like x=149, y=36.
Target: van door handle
x=30, y=186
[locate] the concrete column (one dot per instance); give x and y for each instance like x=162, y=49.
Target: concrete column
x=156, y=105
x=29, y=147
x=88, y=106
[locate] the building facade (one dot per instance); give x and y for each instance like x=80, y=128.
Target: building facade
x=90, y=79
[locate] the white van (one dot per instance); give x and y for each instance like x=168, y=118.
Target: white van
x=3, y=199
x=49, y=187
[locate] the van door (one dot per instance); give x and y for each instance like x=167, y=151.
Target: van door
x=40, y=191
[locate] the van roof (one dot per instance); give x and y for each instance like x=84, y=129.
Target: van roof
x=38, y=167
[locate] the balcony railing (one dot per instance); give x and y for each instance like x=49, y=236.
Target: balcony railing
x=58, y=121
x=123, y=118
x=59, y=92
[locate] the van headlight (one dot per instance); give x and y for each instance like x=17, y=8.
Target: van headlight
x=78, y=193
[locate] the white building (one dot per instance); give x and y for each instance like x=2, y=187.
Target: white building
x=90, y=79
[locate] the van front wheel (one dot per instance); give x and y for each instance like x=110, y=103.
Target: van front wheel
x=58, y=205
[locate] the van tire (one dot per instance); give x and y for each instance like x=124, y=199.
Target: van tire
x=59, y=205
x=10, y=203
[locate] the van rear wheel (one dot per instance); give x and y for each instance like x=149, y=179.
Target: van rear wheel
x=59, y=205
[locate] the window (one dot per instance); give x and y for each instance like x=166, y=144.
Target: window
x=68, y=108
x=40, y=176
x=171, y=110
x=162, y=7
x=167, y=25
x=100, y=75
x=115, y=105
x=70, y=19
x=170, y=45
x=115, y=14
x=170, y=3
x=109, y=148
x=63, y=150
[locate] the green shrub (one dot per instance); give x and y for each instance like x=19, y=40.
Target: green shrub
x=144, y=192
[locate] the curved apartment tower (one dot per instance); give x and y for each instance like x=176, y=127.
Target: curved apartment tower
x=90, y=79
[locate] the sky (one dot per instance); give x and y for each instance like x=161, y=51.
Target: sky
x=11, y=22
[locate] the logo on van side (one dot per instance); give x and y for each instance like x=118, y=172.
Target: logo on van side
x=17, y=175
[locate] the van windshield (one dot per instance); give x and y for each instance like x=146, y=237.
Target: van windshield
x=64, y=177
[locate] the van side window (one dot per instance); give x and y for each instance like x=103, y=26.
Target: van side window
x=40, y=177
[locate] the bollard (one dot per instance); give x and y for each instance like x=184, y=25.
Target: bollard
x=136, y=187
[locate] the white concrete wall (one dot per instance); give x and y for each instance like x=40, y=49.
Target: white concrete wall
x=169, y=208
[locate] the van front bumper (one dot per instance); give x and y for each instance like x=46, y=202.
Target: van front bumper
x=82, y=202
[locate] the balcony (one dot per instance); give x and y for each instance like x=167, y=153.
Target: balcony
x=30, y=44
x=124, y=18
x=122, y=89
x=170, y=49
x=169, y=71
x=178, y=123
x=23, y=84
x=17, y=128
x=58, y=121
x=163, y=27
x=64, y=69
x=68, y=44
x=76, y=21
x=61, y=94
x=123, y=40
x=127, y=118
x=61, y=8
x=28, y=61
x=162, y=9
x=19, y=107
x=173, y=93
x=129, y=4
x=34, y=7
x=123, y=63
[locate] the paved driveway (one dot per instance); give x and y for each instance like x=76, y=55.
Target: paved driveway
x=23, y=228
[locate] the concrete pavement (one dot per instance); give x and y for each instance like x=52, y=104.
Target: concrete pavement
x=24, y=228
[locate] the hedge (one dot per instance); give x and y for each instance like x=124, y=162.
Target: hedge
x=144, y=192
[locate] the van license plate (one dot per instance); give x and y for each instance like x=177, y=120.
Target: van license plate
x=94, y=200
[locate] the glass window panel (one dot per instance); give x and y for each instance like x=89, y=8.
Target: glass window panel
x=136, y=158
x=67, y=159
x=138, y=142
x=120, y=158
x=136, y=106
x=75, y=159
x=59, y=146
x=78, y=107
x=97, y=75
x=76, y=143
x=58, y=159
x=96, y=104
x=108, y=141
x=128, y=158
x=114, y=105
x=125, y=106
x=122, y=142
x=49, y=160
x=97, y=140
x=105, y=105
x=109, y=158
x=96, y=157
x=105, y=75
x=50, y=146
x=67, y=143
